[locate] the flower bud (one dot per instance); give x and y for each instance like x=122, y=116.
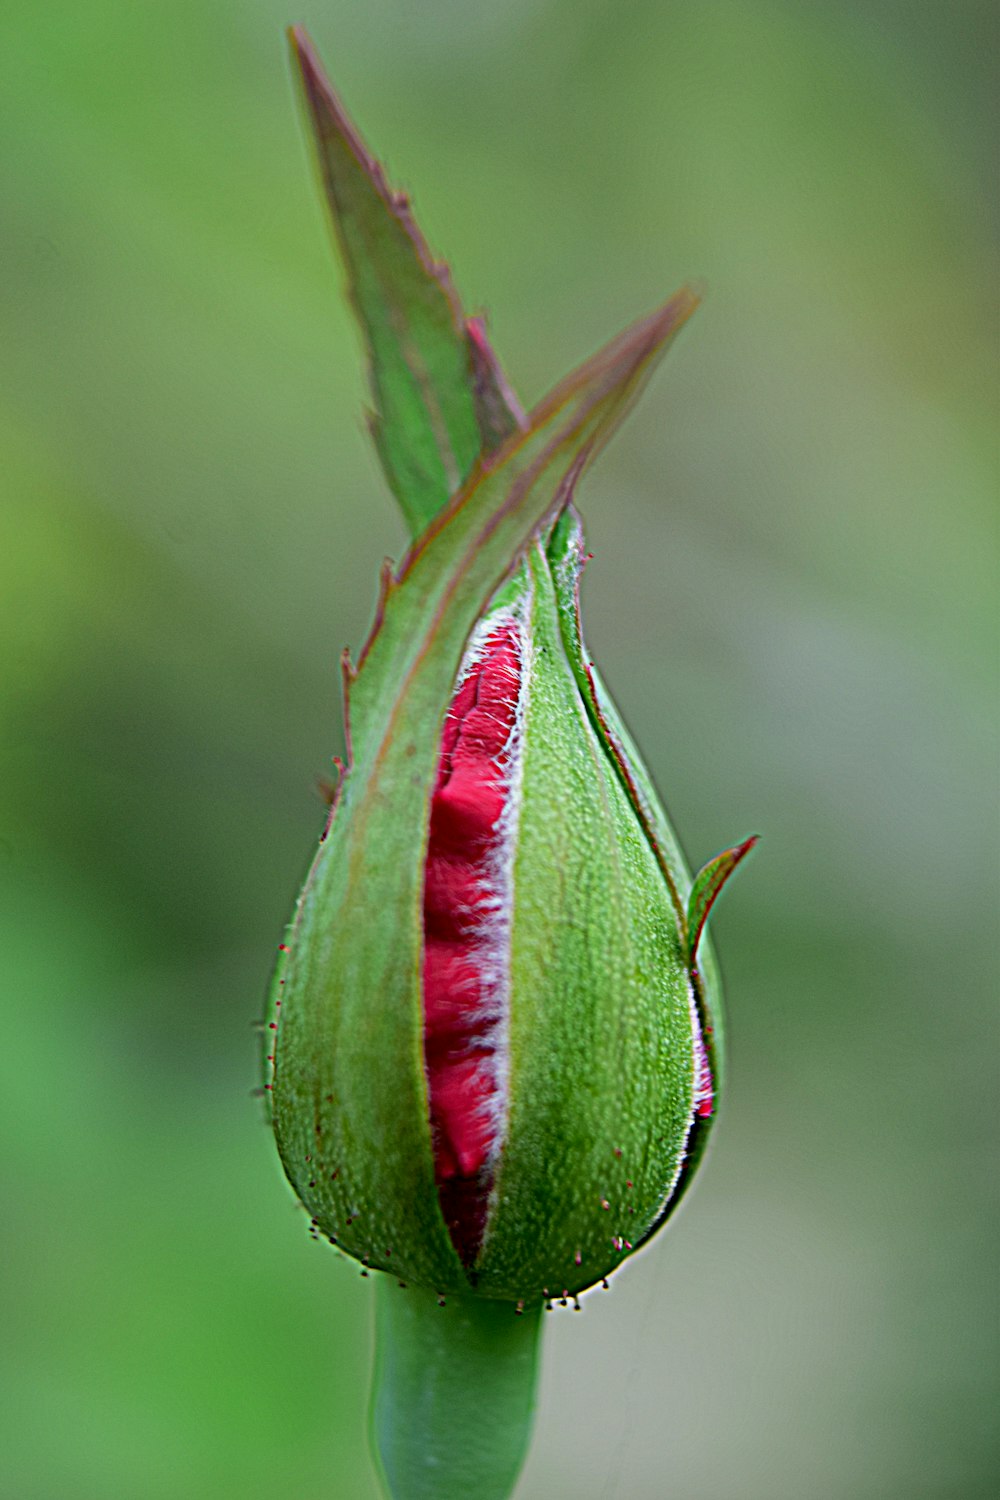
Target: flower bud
x=495, y=1061
x=513, y=1097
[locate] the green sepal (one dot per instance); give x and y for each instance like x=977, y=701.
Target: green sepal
x=439, y=394
x=566, y=557
x=350, y=1102
x=498, y=411
x=706, y=887
x=567, y=554
x=601, y=1060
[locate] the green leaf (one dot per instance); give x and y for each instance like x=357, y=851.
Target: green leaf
x=357, y=932
x=707, y=885
x=439, y=394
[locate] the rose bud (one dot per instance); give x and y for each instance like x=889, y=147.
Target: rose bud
x=496, y=1057
x=495, y=1036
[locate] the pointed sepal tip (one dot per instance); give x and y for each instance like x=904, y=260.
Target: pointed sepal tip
x=706, y=887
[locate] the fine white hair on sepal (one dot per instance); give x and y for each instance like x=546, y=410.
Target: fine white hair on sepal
x=702, y=1088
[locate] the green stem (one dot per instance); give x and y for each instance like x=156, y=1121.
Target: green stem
x=453, y=1393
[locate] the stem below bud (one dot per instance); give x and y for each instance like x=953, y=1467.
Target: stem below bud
x=453, y=1393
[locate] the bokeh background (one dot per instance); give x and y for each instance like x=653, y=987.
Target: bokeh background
x=793, y=598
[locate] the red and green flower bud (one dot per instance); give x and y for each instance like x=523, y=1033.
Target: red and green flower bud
x=495, y=1039
x=561, y=1069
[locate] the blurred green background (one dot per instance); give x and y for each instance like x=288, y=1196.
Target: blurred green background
x=793, y=599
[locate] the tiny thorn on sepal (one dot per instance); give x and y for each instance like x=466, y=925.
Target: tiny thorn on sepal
x=327, y=790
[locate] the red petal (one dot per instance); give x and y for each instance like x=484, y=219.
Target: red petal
x=459, y=1019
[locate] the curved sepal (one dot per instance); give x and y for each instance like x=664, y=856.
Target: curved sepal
x=567, y=554
x=706, y=887
x=567, y=557
x=601, y=1067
